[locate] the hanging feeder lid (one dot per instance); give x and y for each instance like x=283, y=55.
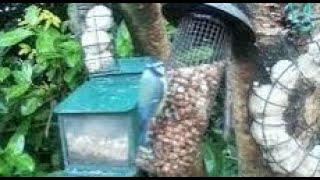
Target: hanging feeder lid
x=113, y=93
x=229, y=12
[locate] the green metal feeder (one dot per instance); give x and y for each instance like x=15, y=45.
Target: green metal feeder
x=99, y=123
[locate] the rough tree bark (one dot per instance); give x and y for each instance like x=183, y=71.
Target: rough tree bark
x=146, y=24
x=243, y=68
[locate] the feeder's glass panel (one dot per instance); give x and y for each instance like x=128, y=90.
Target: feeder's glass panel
x=97, y=139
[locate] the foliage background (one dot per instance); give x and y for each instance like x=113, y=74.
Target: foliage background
x=40, y=63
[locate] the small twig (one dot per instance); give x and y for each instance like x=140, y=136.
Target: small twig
x=52, y=104
x=33, y=126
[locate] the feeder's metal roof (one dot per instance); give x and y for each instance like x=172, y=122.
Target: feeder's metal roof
x=112, y=93
x=229, y=12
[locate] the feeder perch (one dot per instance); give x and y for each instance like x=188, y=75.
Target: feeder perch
x=99, y=123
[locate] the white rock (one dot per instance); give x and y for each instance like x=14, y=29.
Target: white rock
x=275, y=105
x=276, y=168
x=313, y=48
x=286, y=75
x=95, y=42
x=316, y=151
x=271, y=120
x=282, y=151
x=309, y=68
x=294, y=160
x=307, y=167
x=268, y=135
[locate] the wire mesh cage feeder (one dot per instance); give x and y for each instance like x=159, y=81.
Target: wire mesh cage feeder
x=200, y=49
x=98, y=122
x=97, y=39
x=205, y=31
x=284, y=104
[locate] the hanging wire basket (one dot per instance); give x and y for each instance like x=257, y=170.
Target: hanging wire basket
x=284, y=104
x=97, y=32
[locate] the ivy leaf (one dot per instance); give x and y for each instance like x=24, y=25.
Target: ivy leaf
x=15, y=91
x=70, y=77
x=4, y=73
x=124, y=45
x=3, y=108
x=25, y=75
x=209, y=160
x=32, y=16
x=24, y=163
x=308, y=9
x=45, y=43
x=30, y=106
x=15, y=36
x=5, y=169
x=25, y=49
x=39, y=68
x=15, y=145
x=70, y=50
x=40, y=91
x=51, y=74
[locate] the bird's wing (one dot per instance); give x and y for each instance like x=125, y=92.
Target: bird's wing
x=163, y=94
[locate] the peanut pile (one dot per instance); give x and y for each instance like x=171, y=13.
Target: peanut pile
x=176, y=133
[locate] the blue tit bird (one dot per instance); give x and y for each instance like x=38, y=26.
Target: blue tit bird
x=151, y=98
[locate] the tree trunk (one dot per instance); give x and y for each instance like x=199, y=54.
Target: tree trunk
x=146, y=24
x=243, y=68
x=249, y=157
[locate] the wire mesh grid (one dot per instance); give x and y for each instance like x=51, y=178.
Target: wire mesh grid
x=97, y=38
x=296, y=150
x=200, y=39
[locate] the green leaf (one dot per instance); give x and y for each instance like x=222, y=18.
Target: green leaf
x=4, y=73
x=15, y=145
x=32, y=15
x=5, y=169
x=24, y=163
x=124, y=46
x=70, y=77
x=209, y=160
x=30, y=106
x=15, y=36
x=15, y=91
x=39, y=68
x=45, y=43
x=3, y=108
x=51, y=74
x=38, y=92
x=71, y=51
x=308, y=9
x=25, y=75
